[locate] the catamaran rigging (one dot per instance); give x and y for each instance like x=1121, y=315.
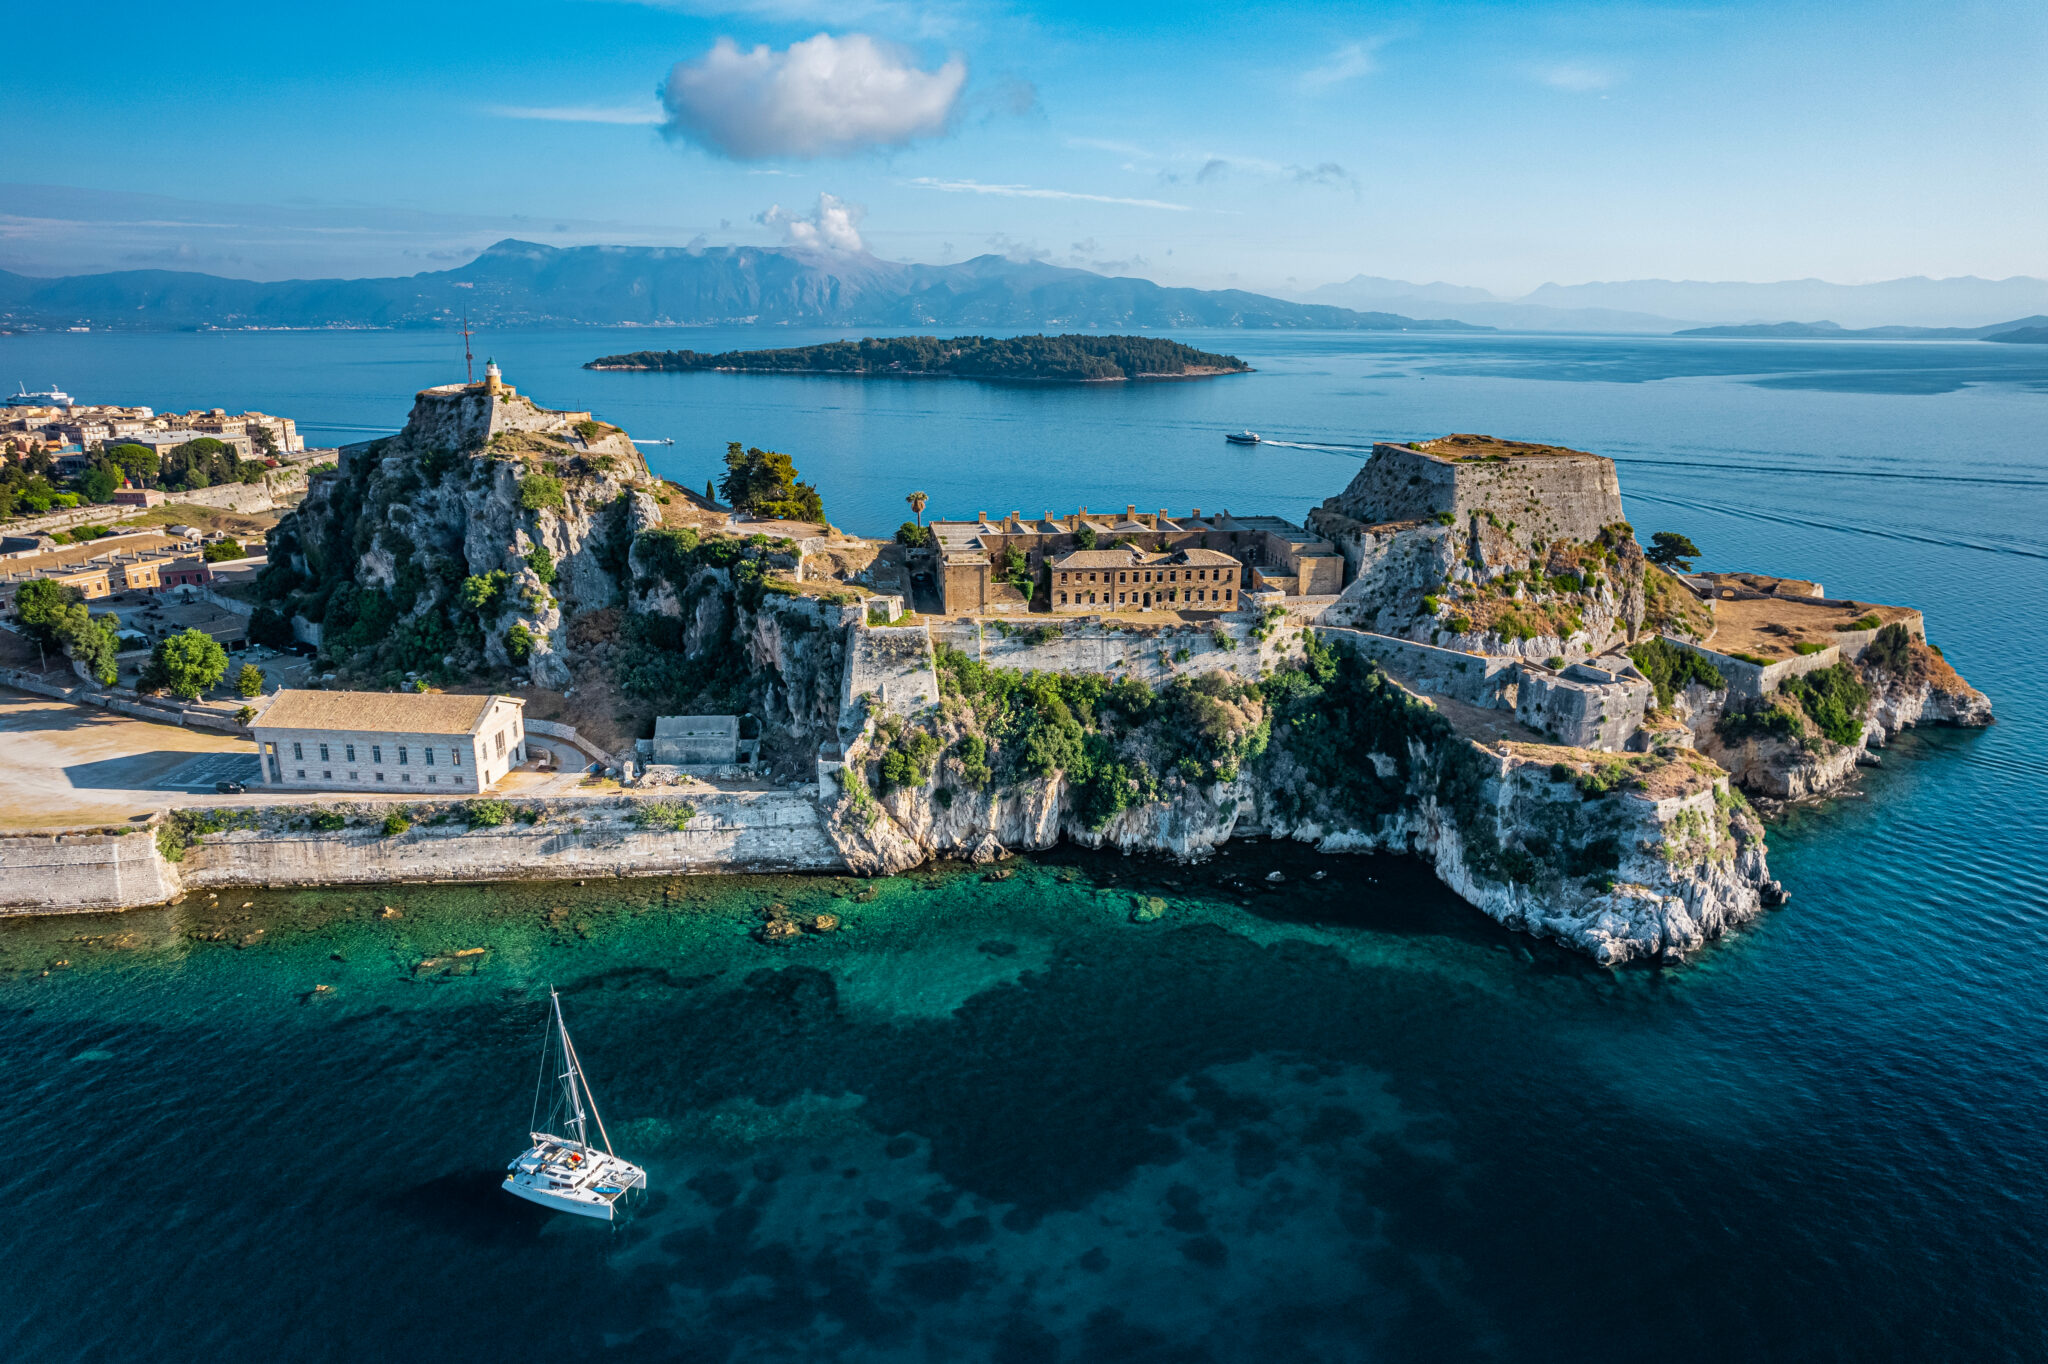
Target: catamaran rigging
x=565, y=1173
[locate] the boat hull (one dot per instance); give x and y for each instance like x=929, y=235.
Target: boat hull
x=564, y=1201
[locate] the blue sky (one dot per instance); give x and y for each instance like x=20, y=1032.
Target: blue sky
x=1271, y=146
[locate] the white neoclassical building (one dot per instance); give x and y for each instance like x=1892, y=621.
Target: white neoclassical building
x=422, y=744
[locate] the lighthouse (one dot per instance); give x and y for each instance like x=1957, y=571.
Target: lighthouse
x=494, y=380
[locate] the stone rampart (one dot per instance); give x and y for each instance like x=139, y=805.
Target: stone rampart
x=65, y=872
x=731, y=831
x=1584, y=706
x=1548, y=496
x=1475, y=679
x=1153, y=654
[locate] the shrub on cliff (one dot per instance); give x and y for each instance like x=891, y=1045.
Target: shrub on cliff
x=486, y=814
x=765, y=483
x=1834, y=698
x=1891, y=650
x=672, y=815
x=1672, y=669
x=538, y=491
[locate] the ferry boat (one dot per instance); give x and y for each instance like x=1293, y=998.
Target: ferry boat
x=1243, y=438
x=52, y=396
x=568, y=1174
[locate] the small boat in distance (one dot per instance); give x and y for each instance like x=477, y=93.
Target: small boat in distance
x=568, y=1174
x=1243, y=438
x=671, y=440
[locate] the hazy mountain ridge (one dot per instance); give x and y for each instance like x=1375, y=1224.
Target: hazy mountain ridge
x=516, y=283
x=2019, y=329
x=1965, y=303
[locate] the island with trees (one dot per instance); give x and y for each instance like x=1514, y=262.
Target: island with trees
x=1072, y=358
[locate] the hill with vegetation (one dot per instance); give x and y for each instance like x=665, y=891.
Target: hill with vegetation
x=1069, y=359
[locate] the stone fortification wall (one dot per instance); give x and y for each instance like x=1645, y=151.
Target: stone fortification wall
x=894, y=666
x=1584, y=706
x=1551, y=496
x=731, y=831
x=1149, y=653
x=60, y=873
x=1475, y=679
x=1752, y=682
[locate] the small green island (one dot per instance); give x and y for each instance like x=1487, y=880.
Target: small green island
x=1073, y=359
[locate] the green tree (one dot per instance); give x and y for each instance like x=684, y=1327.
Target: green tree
x=913, y=535
x=543, y=564
x=480, y=590
x=1669, y=549
x=91, y=640
x=98, y=483
x=519, y=642
x=186, y=664
x=139, y=462
x=249, y=681
x=765, y=483
x=220, y=551
x=917, y=503
x=40, y=604
x=710, y=493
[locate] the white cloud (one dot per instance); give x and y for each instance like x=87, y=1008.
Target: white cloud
x=1579, y=77
x=1032, y=192
x=834, y=225
x=637, y=113
x=824, y=96
x=1347, y=63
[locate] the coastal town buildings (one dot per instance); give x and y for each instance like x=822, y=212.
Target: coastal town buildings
x=1128, y=579
x=433, y=742
x=87, y=427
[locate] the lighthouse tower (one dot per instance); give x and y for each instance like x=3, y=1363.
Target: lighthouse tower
x=494, y=380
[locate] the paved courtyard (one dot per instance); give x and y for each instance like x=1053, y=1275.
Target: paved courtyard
x=64, y=765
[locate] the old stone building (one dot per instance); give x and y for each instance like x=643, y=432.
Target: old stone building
x=1128, y=579
x=427, y=744
x=981, y=560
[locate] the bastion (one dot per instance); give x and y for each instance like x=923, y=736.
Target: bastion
x=1533, y=492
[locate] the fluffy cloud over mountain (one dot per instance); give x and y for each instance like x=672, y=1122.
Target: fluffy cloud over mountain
x=823, y=96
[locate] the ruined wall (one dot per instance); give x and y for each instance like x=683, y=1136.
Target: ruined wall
x=1475, y=679
x=1584, y=706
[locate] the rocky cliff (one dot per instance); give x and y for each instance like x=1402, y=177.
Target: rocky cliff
x=1623, y=856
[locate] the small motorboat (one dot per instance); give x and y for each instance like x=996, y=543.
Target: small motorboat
x=1243, y=438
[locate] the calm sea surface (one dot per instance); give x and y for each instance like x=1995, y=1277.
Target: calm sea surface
x=1346, y=1119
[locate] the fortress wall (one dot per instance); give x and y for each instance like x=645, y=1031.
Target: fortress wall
x=1397, y=484
x=1551, y=496
x=1475, y=679
x=732, y=831
x=1144, y=652
x=60, y=873
x=894, y=664
x=1555, y=497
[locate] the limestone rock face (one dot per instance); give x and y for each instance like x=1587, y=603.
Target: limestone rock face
x=414, y=517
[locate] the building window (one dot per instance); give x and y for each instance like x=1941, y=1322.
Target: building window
x=353, y=777
x=405, y=776
x=455, y=757
x=428, y=754
x=299, y=752
x=376, y=753
x=380, y=776
x=302, y=773
x=501, y=743
x=327, y=776
x=323, y=754
x=432, y=779
x=349, y=749
x=401, y=755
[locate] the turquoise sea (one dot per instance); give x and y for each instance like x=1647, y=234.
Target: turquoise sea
x=1337, y=1119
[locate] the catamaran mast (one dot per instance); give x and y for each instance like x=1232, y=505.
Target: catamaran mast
x=576, y=1065
x=569, y=1076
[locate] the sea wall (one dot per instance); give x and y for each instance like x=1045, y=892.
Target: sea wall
x=729, y=831
x=60, y=872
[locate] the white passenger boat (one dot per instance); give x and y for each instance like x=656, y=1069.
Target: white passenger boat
x=568, y=1174
x=1244, y=438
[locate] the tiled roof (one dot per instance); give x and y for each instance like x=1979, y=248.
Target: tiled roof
x=1127, y=557
x=378, y=712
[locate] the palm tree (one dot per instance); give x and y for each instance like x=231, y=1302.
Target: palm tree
x=917, y=501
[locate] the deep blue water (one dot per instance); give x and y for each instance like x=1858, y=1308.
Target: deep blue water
x=1346, y=1119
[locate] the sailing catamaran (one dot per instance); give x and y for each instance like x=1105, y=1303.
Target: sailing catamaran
x=563, y=1173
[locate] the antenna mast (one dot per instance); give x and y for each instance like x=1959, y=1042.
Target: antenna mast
x=468, y=359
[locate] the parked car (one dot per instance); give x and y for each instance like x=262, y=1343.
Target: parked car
x=230, y=788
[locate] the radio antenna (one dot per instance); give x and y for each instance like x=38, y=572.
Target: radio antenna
x=468, y=359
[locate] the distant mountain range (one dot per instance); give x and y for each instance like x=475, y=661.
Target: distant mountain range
x=516, y=283
x=2023, y=329
x=1659, y=305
